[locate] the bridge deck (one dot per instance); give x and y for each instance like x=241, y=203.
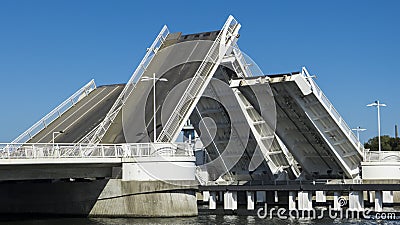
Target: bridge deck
x=81, y=118
x=177, y=60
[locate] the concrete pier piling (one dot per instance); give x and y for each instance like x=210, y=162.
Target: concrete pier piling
x=212, y=203
x=292, y=200
x=378, y=201
x=304, y=200
x=250, y=200
x=206, y=196
x=356, y=201
x=371, y=197
x=276, y=198
x=230, y=200
x=320, y=196
x=388, y=197
x=336, y=201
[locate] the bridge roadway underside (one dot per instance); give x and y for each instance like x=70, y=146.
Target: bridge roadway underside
x=49, y=169
x=215, y=104
x=304, y=140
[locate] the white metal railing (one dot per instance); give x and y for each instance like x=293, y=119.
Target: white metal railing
x=197, y=83
x=383, y=156
x=333, y=112
x=97, y=135
x=55, y=113
x=63, y=150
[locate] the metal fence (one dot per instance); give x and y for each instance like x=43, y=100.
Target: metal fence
x=49, y=150
x=383, y=156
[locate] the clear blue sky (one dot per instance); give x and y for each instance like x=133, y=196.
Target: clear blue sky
x=48, y=49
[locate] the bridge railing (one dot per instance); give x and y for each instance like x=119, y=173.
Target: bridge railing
x=334, y=113
x=383, y=156
x=62, y=150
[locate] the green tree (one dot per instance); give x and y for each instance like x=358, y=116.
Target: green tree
x=388, y=143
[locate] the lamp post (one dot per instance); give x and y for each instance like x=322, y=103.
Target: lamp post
x=54, y=134
x=154, y=79
x=358, y=130
x=378, y=105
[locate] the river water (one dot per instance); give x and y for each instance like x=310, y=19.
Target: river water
x=201, y=219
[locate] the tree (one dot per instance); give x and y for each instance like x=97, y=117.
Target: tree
x=387, y=143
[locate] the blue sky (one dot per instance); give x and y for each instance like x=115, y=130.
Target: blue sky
x=49, y=49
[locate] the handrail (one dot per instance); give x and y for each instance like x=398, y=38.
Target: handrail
x=382, y=156
x=334, y=113
x=72, y=150
x=95, y=137
x=55, y=113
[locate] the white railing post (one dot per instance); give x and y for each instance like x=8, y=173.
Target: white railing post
x=81, y=152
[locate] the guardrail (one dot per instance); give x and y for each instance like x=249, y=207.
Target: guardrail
x=62, y=150
x=383, y=156
x=55, y=113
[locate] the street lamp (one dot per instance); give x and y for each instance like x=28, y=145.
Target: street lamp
x=358, y=130
x=54, y=134
x=154, y=79
x=378, y=105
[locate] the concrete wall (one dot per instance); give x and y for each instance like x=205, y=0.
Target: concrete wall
x=381, y=170
x=110, y=198
x=159, y=168
x=146, y=199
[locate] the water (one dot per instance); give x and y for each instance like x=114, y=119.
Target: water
x=201, y=219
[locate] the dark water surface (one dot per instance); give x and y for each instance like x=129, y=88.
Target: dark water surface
x=201, y=219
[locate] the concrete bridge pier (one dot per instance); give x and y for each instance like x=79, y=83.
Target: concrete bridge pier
x=206, y=196
x=387, y=197
x=304, y=200
x=212, y=200
x=250, y=200
x=230, y=200
x=356, y=201
x=320, y=196
x=371, y=196
x=292, y=200
x=276, y=198
x=378, y=201
x=336, y=199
